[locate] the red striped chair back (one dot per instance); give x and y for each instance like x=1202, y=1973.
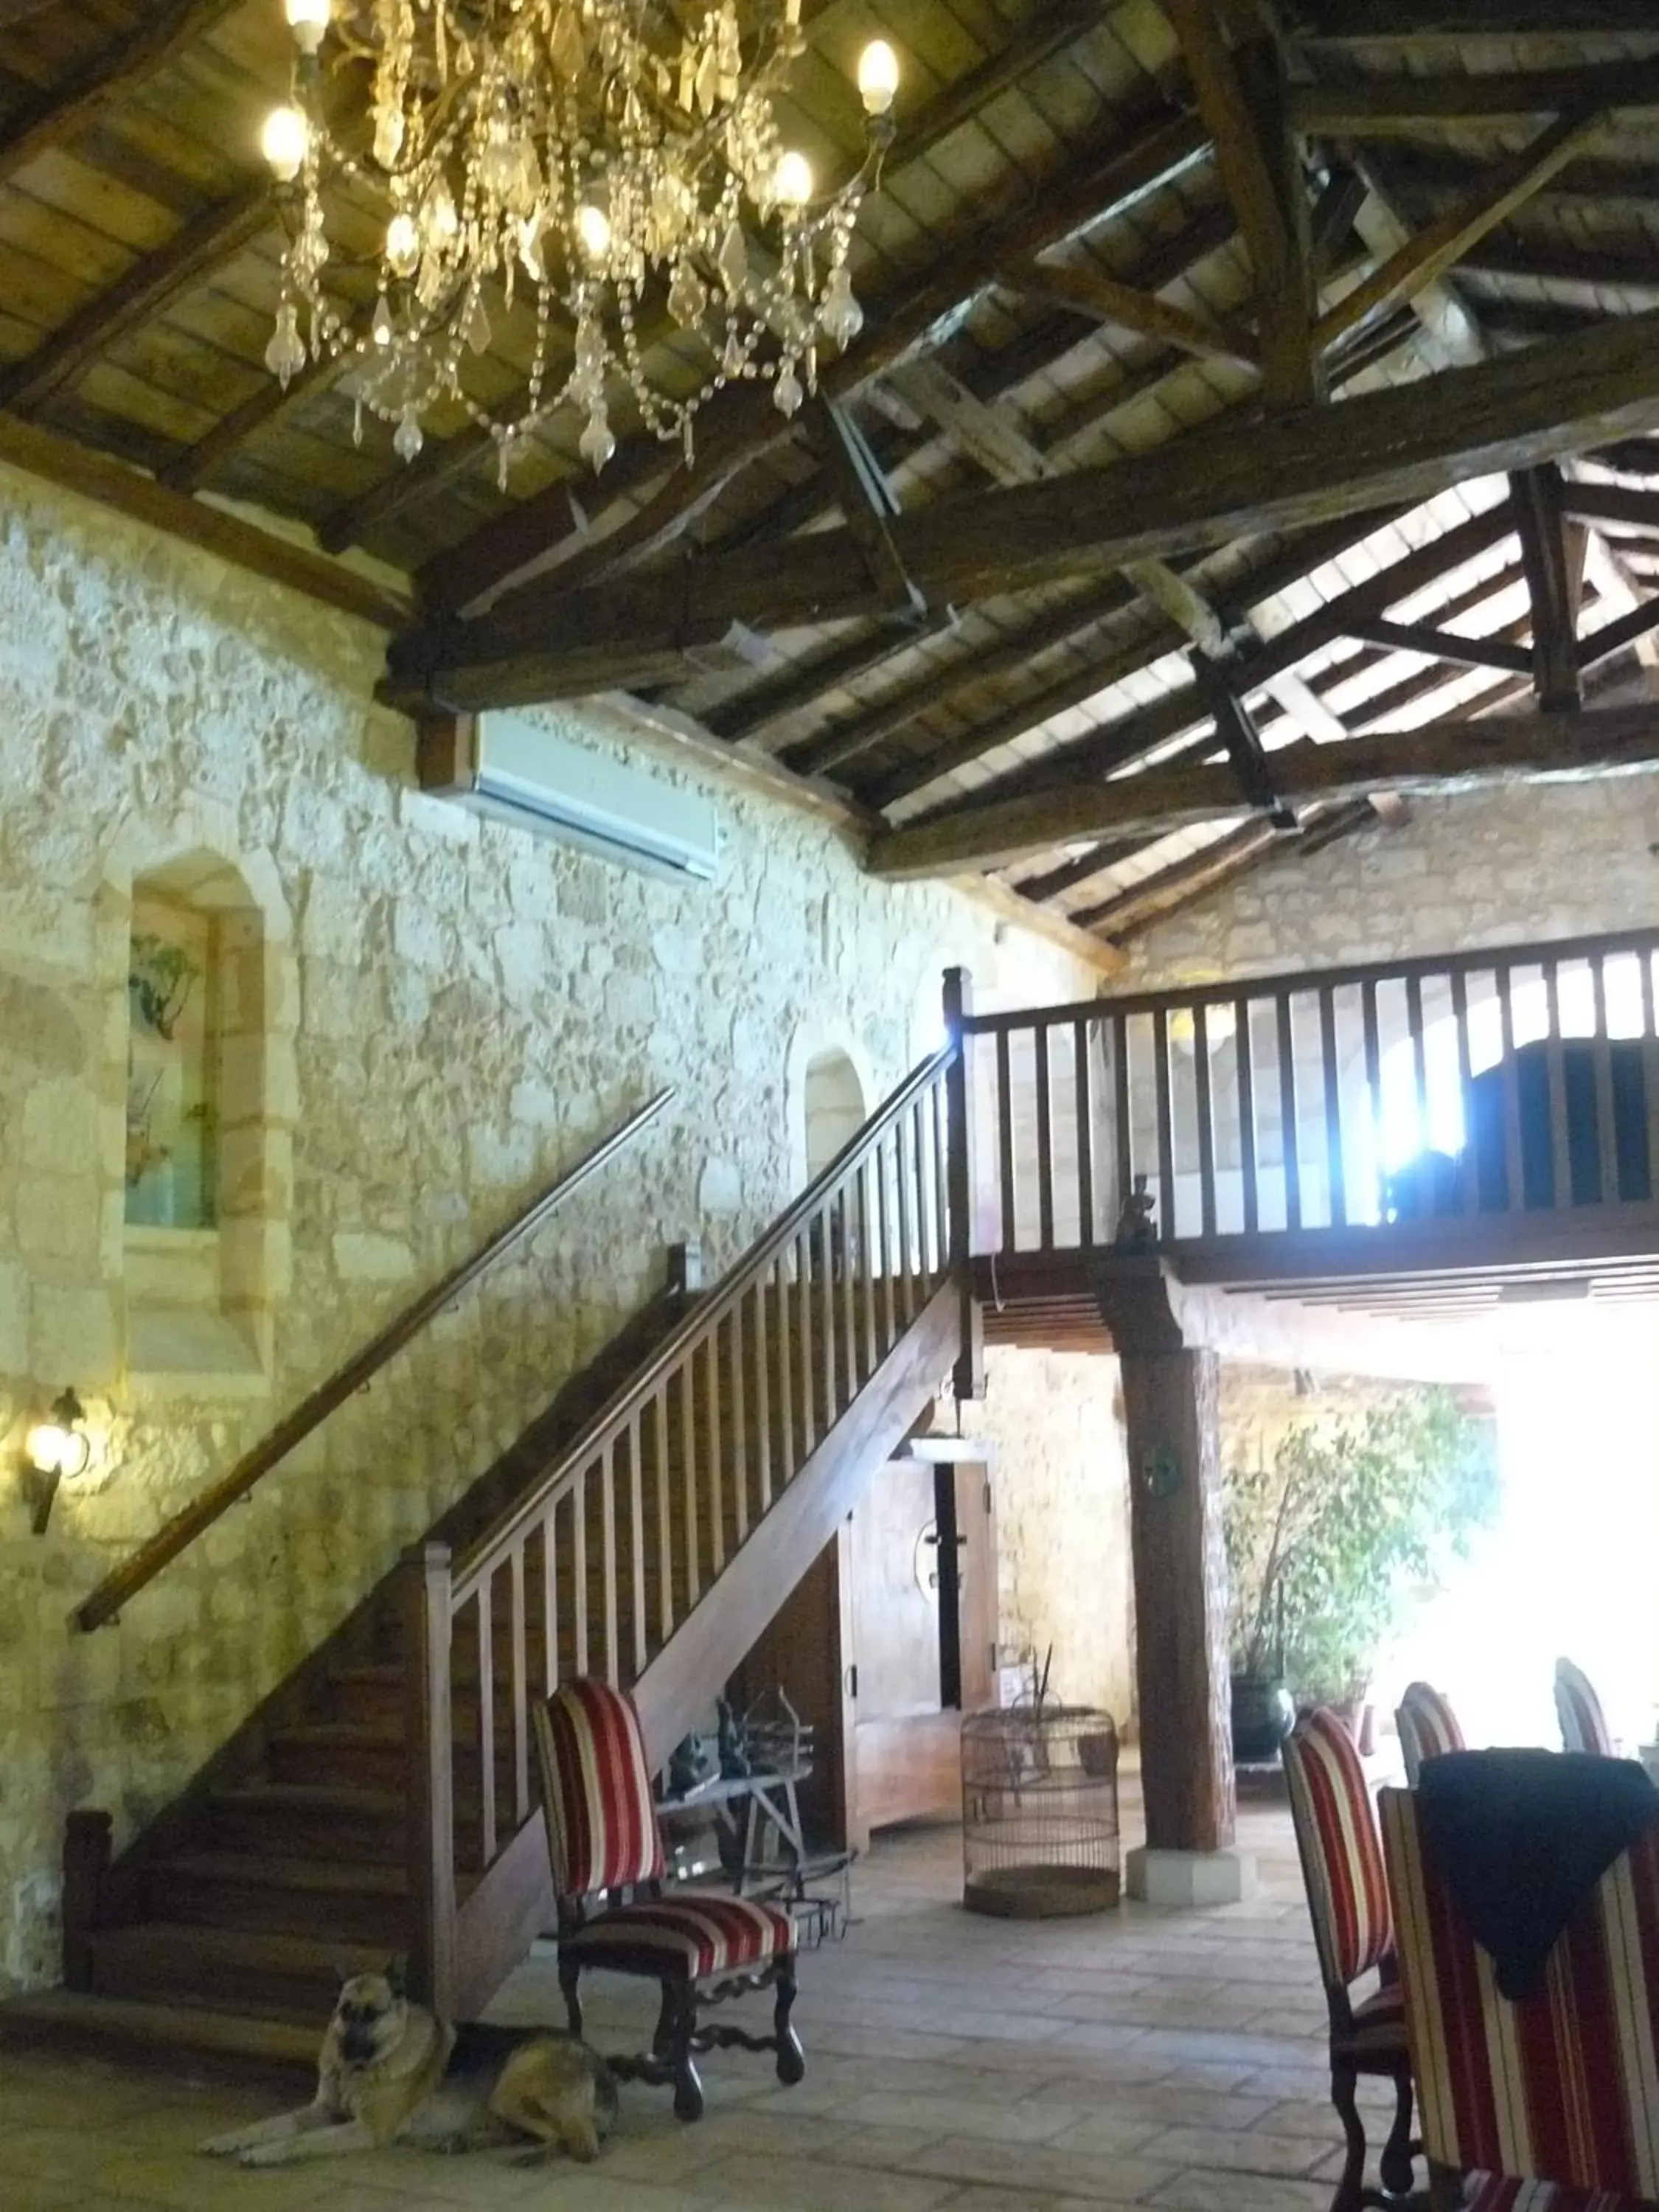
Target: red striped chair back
x=596, y=1785
x=1583, y=1725
x=1562, y=2087
x=1427, y=1726
x=1341, y=1857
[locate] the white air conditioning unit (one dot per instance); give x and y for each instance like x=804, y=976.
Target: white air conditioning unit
x=512, y=769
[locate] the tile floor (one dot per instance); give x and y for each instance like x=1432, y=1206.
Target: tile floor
x=1157, y=2059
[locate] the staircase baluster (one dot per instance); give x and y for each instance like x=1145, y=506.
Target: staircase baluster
x=884, y=1186
x=1164, y=1106
x=1045, y=1140
x=1205, y=1119
x=688, y=1426
x=665, y=1513
x=1420, y=1057
x=1469, y=1196
x=551, y=1597
x=1245, y=1063
x=578, y=1569
x=784, y=1369
x=1373, y=1050
x=1289, y=1131
x=1513, y=1179
x=824, y=1292
x=866, y=1265
x=637, y=1607
x=906, y=1249
x=608, y=1590
x=1335, y=1182
x=1555, y=1064
x=1611, y=1183
x=1650, y=1070
x=1082, y=1077
x=1007, y=1234
x=845, y=1260
x=808, y=1431
x=1122, y=1123
x=941, y=1208
x=716, y=1461
x=486, y=1720
x=520, y=1657
x=739, y=1424
x=762, y=1342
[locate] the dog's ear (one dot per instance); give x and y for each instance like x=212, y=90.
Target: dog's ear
x=341, y=1974
x=397, y=1974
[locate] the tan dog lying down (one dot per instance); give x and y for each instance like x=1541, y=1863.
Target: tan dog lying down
x=389, y=2072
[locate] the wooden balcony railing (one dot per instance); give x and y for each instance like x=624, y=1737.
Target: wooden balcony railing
x=599, y=1563
x=178, y=1534
x=1503, y=1082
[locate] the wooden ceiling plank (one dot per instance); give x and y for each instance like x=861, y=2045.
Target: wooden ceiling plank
x=1496, y=749
x=757, y=711
x=144, y=291
x=744, y=425
x=1404, y=22
x=1095, y=292
x=66, y=111
x=97, y=477
x=1154, y=897
x=1398, y=105
x=1543, y=261
x=1239, y=99
x=1442, y=243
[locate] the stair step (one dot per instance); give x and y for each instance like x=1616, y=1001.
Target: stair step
x=304, y=1819
x=81, y=2017
x=326, y=1898
x=223, y=1969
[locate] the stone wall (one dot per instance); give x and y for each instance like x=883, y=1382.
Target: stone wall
x=452, y=1012
x=1486, y=867
x=1060, y=1482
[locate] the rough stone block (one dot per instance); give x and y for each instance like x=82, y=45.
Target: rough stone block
x=363, y=1256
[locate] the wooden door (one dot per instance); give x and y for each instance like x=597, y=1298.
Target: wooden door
x=921, y=1622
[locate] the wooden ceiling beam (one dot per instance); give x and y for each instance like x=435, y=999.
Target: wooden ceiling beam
x=1154, y=897
x=95, y=475
x=1554, y=582
x=1437, y=248
x=1294, y=469
x=743, y=425
x=1437, y=644
x=1092, y=292
x=66, y=112
x=1620, y=505
x=1612, y=637
x=1544, y=262
x=1496, y=749
x=1118, y=745
x=1397, y=104
x=1241, y=98
x=147, y=289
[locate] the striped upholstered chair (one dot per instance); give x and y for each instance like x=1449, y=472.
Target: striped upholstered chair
x=607, y=1867
x=1427, y=1726
x=1552, y=2103
x=1583, y=1725
x=1353, y=1933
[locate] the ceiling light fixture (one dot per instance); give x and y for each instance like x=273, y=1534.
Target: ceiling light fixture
x=620, y=161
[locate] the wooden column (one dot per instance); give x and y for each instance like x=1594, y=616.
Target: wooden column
x=1181, y=1671
x=968, y=1378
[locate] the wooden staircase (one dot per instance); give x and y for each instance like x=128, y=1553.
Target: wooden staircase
x=648, y=1527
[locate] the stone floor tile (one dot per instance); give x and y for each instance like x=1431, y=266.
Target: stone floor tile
x=772, y=2185
x=1245, y=2150
x=1027, y=2120
x=1205, y=2190
x=1096, y=2176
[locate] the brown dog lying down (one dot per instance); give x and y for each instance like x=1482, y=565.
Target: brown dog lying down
x=388, y=2072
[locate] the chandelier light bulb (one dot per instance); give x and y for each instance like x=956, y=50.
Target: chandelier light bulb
x=792, y=180
x=309, y=20
x=402, y=244
x=878, y=76
x=594, y=230
x=284, y=142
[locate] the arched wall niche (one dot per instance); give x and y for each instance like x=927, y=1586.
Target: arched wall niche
x=201, y=1102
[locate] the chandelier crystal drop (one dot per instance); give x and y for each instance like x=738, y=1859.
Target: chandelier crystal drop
x=615, y=165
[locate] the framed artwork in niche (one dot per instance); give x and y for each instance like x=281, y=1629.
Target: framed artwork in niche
x=172, y=1067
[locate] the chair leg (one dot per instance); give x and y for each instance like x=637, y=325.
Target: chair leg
x=662, y=2041
x=1398, y=2167
x=791, y=2059
x=1351, y=2188
x=569, y=1975
x=688, y=2088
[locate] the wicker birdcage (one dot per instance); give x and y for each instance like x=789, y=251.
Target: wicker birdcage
x=1039, y=1811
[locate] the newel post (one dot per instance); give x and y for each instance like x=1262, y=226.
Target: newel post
x=86, y=1868
x=428, y=1759
x=968, y=1379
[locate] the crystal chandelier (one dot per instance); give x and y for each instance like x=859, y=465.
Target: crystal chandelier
x=618, y=161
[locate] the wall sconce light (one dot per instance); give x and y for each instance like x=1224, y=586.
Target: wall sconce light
x=57, y=1446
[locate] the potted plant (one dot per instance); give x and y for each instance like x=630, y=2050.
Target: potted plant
x=1323, y=1540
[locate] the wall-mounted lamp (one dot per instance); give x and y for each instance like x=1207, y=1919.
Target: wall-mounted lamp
x=57, y=1446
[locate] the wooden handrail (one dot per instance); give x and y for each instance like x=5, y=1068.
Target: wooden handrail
x=177, y=1535
x=492, y=1549
x=1472, y=960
